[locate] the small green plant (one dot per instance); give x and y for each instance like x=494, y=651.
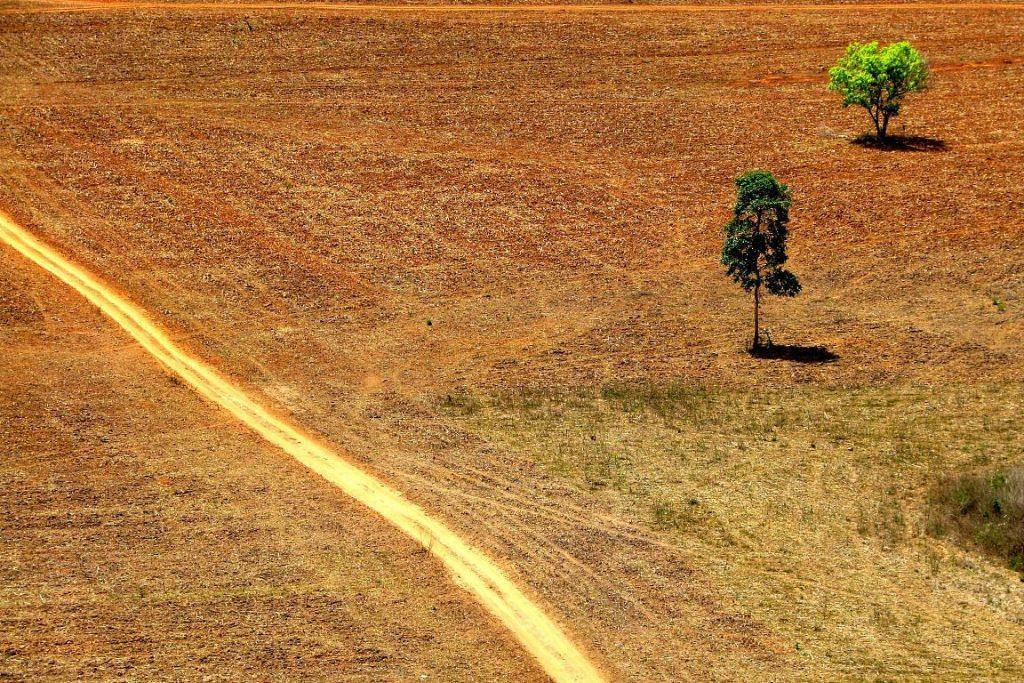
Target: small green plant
x=755, y=240
x=878, y=79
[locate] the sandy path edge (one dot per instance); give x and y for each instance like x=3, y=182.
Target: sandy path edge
x=535, y=631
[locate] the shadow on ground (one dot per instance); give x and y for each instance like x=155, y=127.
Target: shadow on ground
x=796, y=353
x=901, y=143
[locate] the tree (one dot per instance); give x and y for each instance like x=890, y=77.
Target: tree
x=878, y=79
x=755, y=240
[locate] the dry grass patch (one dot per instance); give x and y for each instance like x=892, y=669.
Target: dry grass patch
x=808, y=504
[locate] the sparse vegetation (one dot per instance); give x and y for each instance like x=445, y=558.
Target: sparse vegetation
x=755, y=240
x=984, y=510
x=662, y=399
x=878, y=79
x=447, y=203
x=816, y=495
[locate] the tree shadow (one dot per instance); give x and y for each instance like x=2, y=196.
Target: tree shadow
x=795, y=353
x=900, y=143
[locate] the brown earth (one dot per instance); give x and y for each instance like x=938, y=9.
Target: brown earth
x=359, y=214
x=146, y=537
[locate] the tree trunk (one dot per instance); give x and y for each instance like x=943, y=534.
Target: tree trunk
x=757, y=315
x=883, y=130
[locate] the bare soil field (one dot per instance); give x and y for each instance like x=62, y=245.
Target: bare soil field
x=146, y=538
x=479, y=251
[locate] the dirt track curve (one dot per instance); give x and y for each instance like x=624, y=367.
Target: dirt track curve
x=538, y=634
x=99, y=5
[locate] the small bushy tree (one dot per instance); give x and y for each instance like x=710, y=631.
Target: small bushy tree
x=878, y=79
x=755, y=240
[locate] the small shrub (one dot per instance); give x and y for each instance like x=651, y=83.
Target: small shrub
x=984, y=511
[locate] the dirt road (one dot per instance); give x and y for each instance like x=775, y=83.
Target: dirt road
x=538, y=634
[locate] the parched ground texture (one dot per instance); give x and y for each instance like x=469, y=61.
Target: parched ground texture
x=146, y=537
x=478, y=250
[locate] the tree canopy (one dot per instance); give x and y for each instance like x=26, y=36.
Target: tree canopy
x=878, y=78
x=754, y=251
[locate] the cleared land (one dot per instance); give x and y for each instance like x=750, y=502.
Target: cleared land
x=146, y=537
x=478, y=251
x=472, y=570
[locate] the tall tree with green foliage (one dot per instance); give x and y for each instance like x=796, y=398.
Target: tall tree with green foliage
x=755, y=240
x=878, y=79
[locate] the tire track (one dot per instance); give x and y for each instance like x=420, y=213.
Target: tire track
x=535, y=631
